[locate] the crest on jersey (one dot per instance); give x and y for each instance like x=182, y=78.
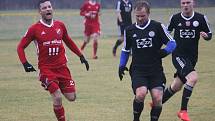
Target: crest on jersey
x=187, y=23
x=144, y=43
x=195, y=23
x=58, y=31
x=151, y=33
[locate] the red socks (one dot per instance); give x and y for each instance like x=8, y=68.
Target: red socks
x=83, y=45
x=59, y=112
x=95, y=46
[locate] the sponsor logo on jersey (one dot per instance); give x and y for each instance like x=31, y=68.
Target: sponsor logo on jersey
x=179, y=24
x=144, y=43
x=195, y=23
x=53, y=42
x=187, y=33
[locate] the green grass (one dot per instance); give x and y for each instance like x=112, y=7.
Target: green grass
x=100, y=94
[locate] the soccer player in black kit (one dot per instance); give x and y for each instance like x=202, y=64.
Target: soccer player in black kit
x=124, y=19
x=188, y=26
x=145, y=39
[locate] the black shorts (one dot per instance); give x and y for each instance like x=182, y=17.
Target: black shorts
x=151, y=81
x=183, y=66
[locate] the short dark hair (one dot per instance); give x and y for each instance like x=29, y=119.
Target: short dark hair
x=140, y=4
x=41, y=1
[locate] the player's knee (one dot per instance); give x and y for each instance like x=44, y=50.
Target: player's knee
x=157, y=100
x=71, y=97
x=192, y=78
x=140, y=96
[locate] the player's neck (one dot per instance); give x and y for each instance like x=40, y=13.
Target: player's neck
x=47, y=21
x=187, y=14
x=92, y=2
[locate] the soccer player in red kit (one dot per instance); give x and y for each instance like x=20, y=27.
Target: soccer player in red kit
x=91, y=11
x=48, y=36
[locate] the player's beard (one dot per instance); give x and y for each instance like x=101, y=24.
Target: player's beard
x=47, y=18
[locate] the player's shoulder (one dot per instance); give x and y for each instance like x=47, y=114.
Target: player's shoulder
x=130, y=27
x=197, y=14
x=155, y=23
x=176, y=15
x=58, y=22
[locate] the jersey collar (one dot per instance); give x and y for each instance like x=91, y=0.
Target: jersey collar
x=142, y=28
x=187, y=18
x=41, y=21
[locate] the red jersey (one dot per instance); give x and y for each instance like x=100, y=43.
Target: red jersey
x=93, y=9
x=48, y=40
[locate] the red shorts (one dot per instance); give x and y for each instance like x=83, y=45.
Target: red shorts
x=91, y=29
x=57, y=78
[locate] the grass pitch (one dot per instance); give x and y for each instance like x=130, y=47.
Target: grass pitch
x=100, y=94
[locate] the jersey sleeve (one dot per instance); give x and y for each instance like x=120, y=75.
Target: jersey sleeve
x=69, y=42
x=170, y=26
x=164, y=34
x=82, y=10
x=205, y=25
x=25, y=41
x=118, y=6
x=127, y=42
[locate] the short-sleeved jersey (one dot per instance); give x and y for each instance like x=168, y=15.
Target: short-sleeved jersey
x=145, y=43
x=187, y=33
x=49, y=43
x=93, y=9
x=125, y=9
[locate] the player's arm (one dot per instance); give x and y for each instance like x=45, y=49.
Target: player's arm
x=124, y=55
x=83, y=11
x=206, y=31
x=73, y=47
x=168, y=41
x=118, y=12
x=25, y=41
x=170, y=26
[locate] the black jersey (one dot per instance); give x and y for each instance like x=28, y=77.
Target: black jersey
x=145, y=42
x=187, y=33
x=125, y=9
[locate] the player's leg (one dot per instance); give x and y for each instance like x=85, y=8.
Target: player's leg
x=47, y=78
x=156, y=94
x=119, y=40
x=56, y=94
x=139, y=86
x=57, y=104
x=87, y=34
x=174, y=87
x=95, y=37
x=138, y=102
x=156, y=85
x=86, y=41
x=192, y=78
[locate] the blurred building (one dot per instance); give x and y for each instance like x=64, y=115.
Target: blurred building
x=75, y=4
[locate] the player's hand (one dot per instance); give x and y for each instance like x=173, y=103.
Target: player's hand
x=88, y=14
x=121, y=72
x=28, y=67
x=162, y=53
x=204, y=34
x=83, y=60
x=121, y=23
